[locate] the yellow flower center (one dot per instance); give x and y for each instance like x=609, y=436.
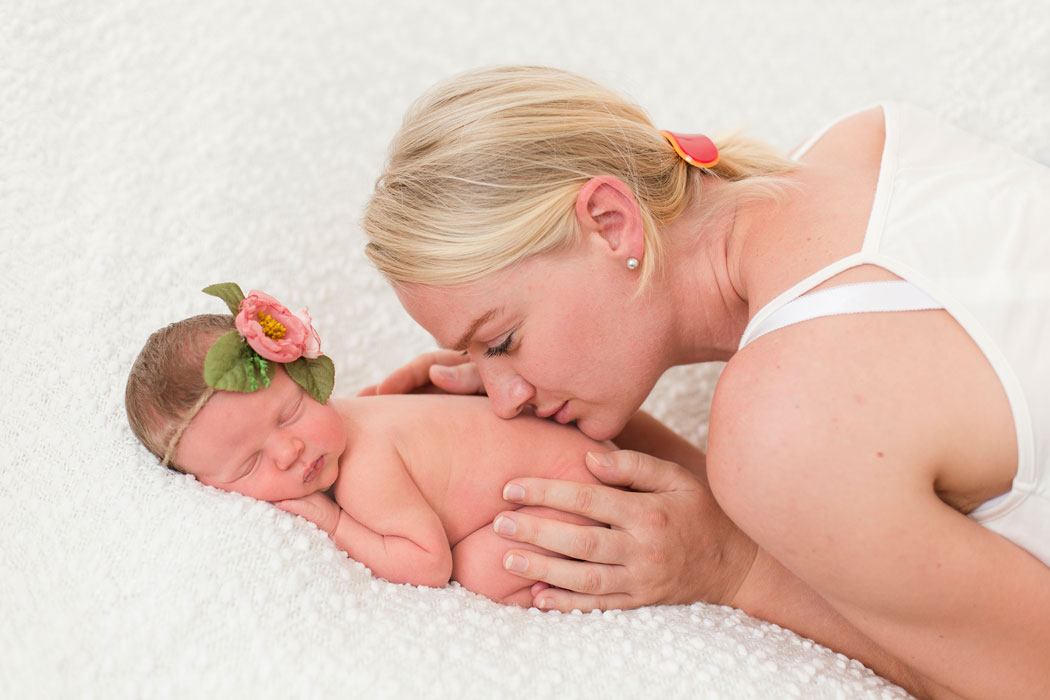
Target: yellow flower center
x=271, y=327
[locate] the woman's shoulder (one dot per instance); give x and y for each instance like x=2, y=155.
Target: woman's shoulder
x=860, y=134
x=832, y=388
x=826, y=218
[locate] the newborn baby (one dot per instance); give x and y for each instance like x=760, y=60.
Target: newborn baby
x=409, y=485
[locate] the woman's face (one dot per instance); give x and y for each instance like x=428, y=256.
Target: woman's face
x=561, y=332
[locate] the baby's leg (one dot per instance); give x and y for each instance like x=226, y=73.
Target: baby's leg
x=477, y=561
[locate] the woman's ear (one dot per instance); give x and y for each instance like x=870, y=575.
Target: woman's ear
x=606, y=207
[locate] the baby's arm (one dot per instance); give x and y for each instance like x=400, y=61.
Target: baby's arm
x=392, y=529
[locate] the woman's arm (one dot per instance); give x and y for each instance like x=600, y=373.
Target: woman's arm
x=678, y=550
x=851, y=509
x=833, y=447
x=766, y=589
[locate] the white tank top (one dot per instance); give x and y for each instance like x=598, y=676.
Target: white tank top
x=965, y=224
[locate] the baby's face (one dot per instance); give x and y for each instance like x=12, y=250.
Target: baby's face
x=272, y=444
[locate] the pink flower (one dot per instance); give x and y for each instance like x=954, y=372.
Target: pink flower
x=312, y=341
x=275, y=332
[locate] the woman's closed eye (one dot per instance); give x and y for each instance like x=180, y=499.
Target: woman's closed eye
x=500, y=349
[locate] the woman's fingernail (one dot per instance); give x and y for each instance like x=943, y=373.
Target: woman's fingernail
x=505, y=526
x=515, y=563
x=544, y=603
x=602, y=459
x=513, y=492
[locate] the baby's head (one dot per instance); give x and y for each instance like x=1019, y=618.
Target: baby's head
x=239, y=401
x=166, y=384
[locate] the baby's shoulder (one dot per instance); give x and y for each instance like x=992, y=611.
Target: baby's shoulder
x=461, y=434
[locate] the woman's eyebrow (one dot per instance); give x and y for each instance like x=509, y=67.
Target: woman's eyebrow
x=464, y=340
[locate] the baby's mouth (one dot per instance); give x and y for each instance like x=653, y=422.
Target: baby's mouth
x=313, y=469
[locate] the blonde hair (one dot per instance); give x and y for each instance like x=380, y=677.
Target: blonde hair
x=166, y=384
x=487, y=166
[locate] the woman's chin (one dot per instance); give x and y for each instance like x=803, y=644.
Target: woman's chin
x=597, y=429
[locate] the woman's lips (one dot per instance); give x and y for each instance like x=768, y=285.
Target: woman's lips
x=562, y=414
x=311, y=472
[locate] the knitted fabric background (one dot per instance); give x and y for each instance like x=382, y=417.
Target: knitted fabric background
x=148, y=149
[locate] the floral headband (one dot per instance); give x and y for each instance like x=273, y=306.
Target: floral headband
x=267, y=333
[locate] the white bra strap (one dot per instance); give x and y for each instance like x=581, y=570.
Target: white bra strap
x=857, y=298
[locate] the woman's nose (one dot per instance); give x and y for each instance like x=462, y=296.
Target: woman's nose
x=286, y=451
x=510, y=395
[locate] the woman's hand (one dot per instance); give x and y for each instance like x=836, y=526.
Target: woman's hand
x=318, y=508
x=441, y=370
x=668, y=540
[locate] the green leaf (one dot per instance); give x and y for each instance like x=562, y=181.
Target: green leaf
x=225, y=368
x=316, y=376
x=230, y=292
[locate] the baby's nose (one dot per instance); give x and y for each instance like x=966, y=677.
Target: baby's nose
x=287, y=452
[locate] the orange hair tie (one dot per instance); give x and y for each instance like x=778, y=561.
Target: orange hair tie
x=695, y=149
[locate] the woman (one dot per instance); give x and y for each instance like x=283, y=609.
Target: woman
x=878, y=437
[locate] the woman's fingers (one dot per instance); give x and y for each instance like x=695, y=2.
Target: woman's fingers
x=595, y=501
x=616, y=507
x=457, y=379
x=583, y=577
x=564, y=600
x=669, y=542
x=587, y=542
x=637, y=471
x=416, y=374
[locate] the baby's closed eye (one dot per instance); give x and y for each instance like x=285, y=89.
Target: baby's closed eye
x=292, y=412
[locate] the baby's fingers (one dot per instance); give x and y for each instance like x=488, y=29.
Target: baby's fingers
x=296, y=506
x=317, y=508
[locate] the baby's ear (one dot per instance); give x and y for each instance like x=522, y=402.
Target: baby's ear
x=606, y=207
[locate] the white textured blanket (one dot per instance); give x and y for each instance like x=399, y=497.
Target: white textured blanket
x=148, y=149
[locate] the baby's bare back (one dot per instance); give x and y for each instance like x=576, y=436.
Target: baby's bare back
x=460, y=454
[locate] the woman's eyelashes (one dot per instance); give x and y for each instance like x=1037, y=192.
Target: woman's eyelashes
x=500, y=349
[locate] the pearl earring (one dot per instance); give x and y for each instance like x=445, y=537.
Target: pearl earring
x=632, y=263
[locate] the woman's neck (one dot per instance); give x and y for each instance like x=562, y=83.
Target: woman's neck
x=706, y=256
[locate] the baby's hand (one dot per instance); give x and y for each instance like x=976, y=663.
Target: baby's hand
x=318, y=508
